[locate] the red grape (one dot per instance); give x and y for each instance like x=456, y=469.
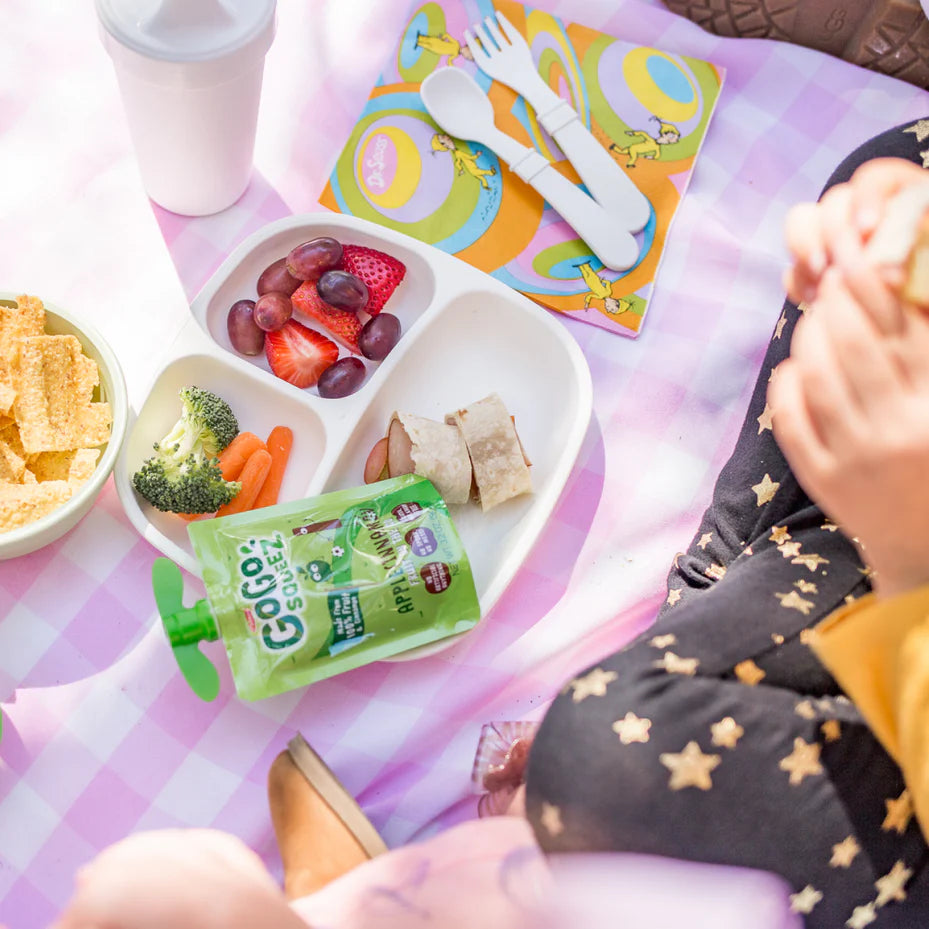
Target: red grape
x=342, y=378
x=343, y=290
x=277, y=278
x=309, y=260
x=272, y=310
x=244, y=333
x=378, y=336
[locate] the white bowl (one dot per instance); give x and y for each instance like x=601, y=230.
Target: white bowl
x=112, y=389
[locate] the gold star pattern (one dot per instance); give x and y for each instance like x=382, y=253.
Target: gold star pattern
x=861, y=916
x=727, y=732
x=674, y=594
x=766, y=420
x=748, y=551
x=920, y=129
x=632, y=729
x=829, y=526
x=890, y=886
x=806, y=587
x=925, y=157
x=849, y=598
x=779, y=328
x=690, y=768
x=802, y=762
x=793, y=601
x=662, y=641
x=592, y=684
x=705, y=540
x=805, y=900
x=899, y=812
x=789, y=549
x=831, y=730
x=675, y=665
x=765, y=490
x=805, y=709
x=551, y=819
x=748, y=672
x=806, y=636
x=810, y=561
x=844, y=852
x=803, y=306
x=715, y=572
x=777, y=638
x=779, y=535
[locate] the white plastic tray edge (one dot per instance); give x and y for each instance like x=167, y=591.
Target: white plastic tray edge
x=452, y=279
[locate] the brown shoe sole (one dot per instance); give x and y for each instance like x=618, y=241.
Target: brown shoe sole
x=889, y=36
x=339, y=800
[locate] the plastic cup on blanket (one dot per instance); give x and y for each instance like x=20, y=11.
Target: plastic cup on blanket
x=189, y=74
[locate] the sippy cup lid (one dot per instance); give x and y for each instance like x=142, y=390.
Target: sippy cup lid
x=186, y=628
x=190, y=30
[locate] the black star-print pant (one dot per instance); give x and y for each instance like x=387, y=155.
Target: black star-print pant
x=717, y=736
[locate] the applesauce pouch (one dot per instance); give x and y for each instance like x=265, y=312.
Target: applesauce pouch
x=301, y=591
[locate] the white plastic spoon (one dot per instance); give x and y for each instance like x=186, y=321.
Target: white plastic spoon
x=457, y=103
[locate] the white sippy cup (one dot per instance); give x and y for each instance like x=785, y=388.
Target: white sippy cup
x=189, y=74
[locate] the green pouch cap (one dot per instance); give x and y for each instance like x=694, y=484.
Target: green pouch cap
x=186, y=627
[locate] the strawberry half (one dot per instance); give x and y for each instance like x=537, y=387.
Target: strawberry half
x=299, y=355
x=381, y=272
x=344, y=325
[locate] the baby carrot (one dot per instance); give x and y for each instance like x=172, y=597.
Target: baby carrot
x=279, y=443
x=233, y=457
x=252, y=477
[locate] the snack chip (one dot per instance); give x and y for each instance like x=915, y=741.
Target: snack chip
x=7, y=393
x=73, y=466
x=26, y=319
x=21, y=504
x=54, y=385
x=49, y=422
x=12, y=463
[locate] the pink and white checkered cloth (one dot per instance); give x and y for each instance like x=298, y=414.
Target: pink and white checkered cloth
x=102, y=735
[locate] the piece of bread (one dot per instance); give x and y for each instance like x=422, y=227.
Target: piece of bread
x=902, y=239
x=916, y=284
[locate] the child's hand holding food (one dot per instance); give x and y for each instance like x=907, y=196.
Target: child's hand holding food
x=851, y=413
x=838, y=230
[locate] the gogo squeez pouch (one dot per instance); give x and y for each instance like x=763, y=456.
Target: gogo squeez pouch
x=301, y=591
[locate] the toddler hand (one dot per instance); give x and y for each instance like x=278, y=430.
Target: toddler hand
x=835, y=231
x=182, y=879
x=851, y=413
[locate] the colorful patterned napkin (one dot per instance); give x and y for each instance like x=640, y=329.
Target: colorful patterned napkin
x=650, y=108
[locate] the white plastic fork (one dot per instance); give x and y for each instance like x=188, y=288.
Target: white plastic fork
x=459, y=106
x=501, y=52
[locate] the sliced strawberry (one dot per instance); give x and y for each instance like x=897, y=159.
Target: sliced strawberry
x=344, y=325
x=299, y=355
x=381, y=272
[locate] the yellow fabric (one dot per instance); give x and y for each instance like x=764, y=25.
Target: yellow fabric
x=878, y=650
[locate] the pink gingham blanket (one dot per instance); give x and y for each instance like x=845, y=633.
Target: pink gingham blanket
x=102, y=736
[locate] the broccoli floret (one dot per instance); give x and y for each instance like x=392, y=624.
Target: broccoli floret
x=183, y=476
x=207, y=424
x=194, y=484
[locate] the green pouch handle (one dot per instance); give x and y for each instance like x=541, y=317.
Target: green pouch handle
x=186, y=627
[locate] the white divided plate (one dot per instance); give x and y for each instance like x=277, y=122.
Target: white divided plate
x=465, y=335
